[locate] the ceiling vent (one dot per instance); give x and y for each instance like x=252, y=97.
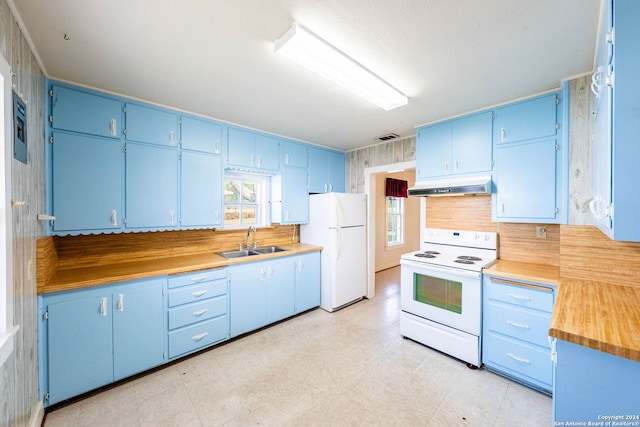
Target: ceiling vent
x=388, y=136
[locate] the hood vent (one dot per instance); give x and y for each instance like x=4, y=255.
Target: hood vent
x=453, y=186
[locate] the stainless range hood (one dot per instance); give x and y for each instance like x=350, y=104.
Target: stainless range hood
x=453, y=186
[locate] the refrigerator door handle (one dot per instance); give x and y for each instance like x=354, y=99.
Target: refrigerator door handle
x=339, y=237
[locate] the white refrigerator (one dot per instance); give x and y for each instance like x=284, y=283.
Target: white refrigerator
x=337, y=222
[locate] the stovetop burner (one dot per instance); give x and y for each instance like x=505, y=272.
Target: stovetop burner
x=464, y=261
x=469, y=258
x=425, y=255
x=432, y=252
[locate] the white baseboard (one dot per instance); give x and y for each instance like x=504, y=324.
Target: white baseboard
x=37, y=416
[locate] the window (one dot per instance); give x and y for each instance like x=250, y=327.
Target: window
x=7, y=329
x=245, y=200
x=395, y=221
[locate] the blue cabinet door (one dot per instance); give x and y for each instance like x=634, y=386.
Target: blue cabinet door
x=87, y=182
x=267, y=153
x=326, y=171
x=590, y=384
x=295, y=198
x=151, y=186
x=80, y=356
x=318, y=166
x=200, y=135
x=84, y=112
x=280, y=299
x=535, y=118
x=295, y=154
x=307, y=281
x=433, y=151
x=526, y=181
x=247, y=298
x=139, y=327
x=200, y=190
x=472, y=141
x=241, y=148
x=336, y=172
x=151, y=125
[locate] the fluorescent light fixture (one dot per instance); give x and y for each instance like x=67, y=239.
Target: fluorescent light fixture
x=310, y=51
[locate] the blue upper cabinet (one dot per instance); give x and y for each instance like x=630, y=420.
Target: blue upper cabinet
x=295, y=154
x=200, y=190
x=200, y=135
x=617, y=122
x=531, y=119
x=151, y=187
x=151, y=125
x=460, y=146
x=251, y=151
x=530, y=171
x=84, y=112
x=326, y=171
x=87, y=183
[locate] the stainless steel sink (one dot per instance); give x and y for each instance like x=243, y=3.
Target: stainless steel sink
x=269, y=249
x=238, y=254
x=251, y=252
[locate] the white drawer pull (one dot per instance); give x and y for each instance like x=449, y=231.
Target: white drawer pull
x=103, y=307
x=199, y=313
x=199, y=278
x=198, y=294
x=199, y=336
x=517, y=325
x=520, y=297
x=519, y=359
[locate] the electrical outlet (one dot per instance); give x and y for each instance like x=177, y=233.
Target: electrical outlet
x=541, y=232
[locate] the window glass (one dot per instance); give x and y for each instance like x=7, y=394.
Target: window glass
x=244, y=200
x=395, y=221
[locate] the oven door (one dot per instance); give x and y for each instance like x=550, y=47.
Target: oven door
x=443, y=295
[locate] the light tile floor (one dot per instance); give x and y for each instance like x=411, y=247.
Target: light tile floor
x=348, y=368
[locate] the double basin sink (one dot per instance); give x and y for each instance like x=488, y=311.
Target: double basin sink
x=261, y=250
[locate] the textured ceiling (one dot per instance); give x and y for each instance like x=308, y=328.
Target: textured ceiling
x=215, y=57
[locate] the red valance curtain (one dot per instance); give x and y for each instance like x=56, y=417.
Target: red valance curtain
x=396, y=188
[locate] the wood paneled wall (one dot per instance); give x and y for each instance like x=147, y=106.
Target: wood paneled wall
x=19, y=374
x=389, y=153
x=105, y=249
x=586, y=253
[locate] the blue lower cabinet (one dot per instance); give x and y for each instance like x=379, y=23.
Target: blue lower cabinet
x=99, y=335
x=197, y=306
x=307, y=281
x=590, y=384
x=515, y=330
x=265, y=292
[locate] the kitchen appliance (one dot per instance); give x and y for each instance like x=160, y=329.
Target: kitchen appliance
x=440, y=291
x=337, y=222
x=453, y=186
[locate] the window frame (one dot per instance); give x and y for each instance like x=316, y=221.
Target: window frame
x=399, y=229
x=262, y=204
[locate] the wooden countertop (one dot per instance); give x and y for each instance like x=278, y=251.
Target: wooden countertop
x=76, y=278
x=598, y=315
x=540, y=273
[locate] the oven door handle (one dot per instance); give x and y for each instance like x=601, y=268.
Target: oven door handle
x=429, y=267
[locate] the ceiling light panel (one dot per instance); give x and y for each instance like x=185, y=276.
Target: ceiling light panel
x=312, y=52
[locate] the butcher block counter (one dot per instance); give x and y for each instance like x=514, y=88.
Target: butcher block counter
x=66, y=279
x=598, y=315
x=601, y=316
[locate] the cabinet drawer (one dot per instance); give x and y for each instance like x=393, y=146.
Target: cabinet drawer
x=193, y=278
x=197, y=312
x=517, y=359
x=200, y=335
x=197, y=292
x=538, y=298
x=519, y=323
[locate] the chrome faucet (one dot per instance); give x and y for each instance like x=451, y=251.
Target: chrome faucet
x=251, y=228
